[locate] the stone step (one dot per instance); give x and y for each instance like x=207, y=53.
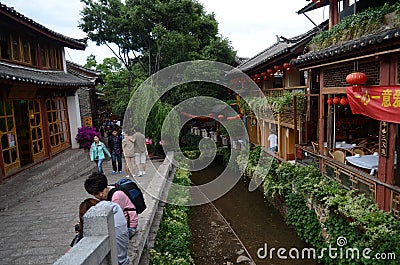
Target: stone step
x=69, y=165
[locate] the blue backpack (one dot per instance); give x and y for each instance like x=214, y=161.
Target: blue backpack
x=131, y=189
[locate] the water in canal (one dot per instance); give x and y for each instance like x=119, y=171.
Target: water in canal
x=237, y=225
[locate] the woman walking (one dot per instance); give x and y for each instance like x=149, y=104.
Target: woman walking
x=98, y=152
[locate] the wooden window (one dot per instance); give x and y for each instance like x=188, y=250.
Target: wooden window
x=8, y=136
x=32, y=48
x=16, y=48
x=58, y=123
x=5, y=46
x=26, y=51
x=36, y=127
x=44, y=53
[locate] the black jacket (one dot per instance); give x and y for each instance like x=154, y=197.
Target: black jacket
x=111, y=142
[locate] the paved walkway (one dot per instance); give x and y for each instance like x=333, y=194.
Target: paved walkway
x=39, y=229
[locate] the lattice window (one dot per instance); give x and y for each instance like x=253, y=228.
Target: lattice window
x=8, y=136
x=35, y=120
x=58, y=123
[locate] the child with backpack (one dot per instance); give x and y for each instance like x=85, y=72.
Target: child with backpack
x=97, y=185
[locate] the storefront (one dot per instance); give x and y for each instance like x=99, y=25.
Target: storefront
x=39, y=104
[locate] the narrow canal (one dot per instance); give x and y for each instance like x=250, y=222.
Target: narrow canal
x=237, y=225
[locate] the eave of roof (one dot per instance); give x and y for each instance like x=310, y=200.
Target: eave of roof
x=365, y=44
x=40, y=77
x=312, y=6
x=280, y=48
x=28, y=22
x=71, y=65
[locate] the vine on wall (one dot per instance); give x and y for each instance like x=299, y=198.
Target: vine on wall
x=322, y=212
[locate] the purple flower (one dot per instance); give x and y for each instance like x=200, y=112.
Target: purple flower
x=85, y=136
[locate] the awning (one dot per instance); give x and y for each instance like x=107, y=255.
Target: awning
x=313, y=6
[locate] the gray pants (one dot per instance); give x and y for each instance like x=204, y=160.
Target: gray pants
x=122, y=237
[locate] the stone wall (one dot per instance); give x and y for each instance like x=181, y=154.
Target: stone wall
x=85, y=102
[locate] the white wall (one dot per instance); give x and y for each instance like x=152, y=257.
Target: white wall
x=74, y=117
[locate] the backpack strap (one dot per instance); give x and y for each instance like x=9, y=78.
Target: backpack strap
x=109, y=198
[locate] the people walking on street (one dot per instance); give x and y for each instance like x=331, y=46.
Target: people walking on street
x=121, y=230
x=96, y=185
x=129, y=153
x=115, y=145
x=98, y=152
x=140, y=151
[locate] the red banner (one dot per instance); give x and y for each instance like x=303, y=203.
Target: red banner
x=378, y=102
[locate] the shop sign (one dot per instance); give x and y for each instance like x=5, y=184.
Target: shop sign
x=378, y=102
x=22, y=92
x=384, y=139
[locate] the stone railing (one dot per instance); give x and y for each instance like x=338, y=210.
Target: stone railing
x=96, y=246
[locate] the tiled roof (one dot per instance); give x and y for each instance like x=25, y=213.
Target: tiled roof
x=240, y=60
x=67, y=41
x=85, y=73
x=40, y=77
x=283, y=46
x=313, y=6
x=364, y=44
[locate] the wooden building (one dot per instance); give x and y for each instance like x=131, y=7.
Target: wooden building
x=39, y=106
x=275, y=76
x=364, y=116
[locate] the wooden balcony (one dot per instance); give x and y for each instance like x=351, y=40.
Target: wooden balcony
x=349, y=177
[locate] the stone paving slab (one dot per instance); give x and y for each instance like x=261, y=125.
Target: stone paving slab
x=40, y=229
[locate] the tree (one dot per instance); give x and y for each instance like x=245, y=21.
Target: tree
x=115, y=85
x=150, y=35
x=147, y=34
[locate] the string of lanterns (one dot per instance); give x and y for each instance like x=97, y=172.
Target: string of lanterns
x=269, y=73
x=338, y=100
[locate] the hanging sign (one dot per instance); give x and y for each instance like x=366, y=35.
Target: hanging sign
x=378, y=102
x=384, y=139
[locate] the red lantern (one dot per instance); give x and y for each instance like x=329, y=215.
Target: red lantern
x=220, y=116
x=257, y=76
x=287, y=66
x=356, y=78
x=330, y=101
x=270, y=72
x=277, y=68
x=336, y=100
x=344, y=101
x=264, y=74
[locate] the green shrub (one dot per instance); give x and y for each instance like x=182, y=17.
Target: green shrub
x=174, y=235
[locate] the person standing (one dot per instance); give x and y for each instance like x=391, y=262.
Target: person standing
x=97, y=185
x=129, y=153
x=273, y=142
x=98, y=152
x=115, y=145
x=140, y=151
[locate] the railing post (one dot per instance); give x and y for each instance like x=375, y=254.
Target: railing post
x=99, y=221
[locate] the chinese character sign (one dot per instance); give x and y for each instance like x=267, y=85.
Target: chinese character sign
x=378, y=102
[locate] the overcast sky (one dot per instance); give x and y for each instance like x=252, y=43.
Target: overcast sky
x=250, y=25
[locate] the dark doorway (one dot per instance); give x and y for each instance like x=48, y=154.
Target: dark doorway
x=21, y=115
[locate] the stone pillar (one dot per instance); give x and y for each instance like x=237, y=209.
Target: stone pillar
x=99, y=221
